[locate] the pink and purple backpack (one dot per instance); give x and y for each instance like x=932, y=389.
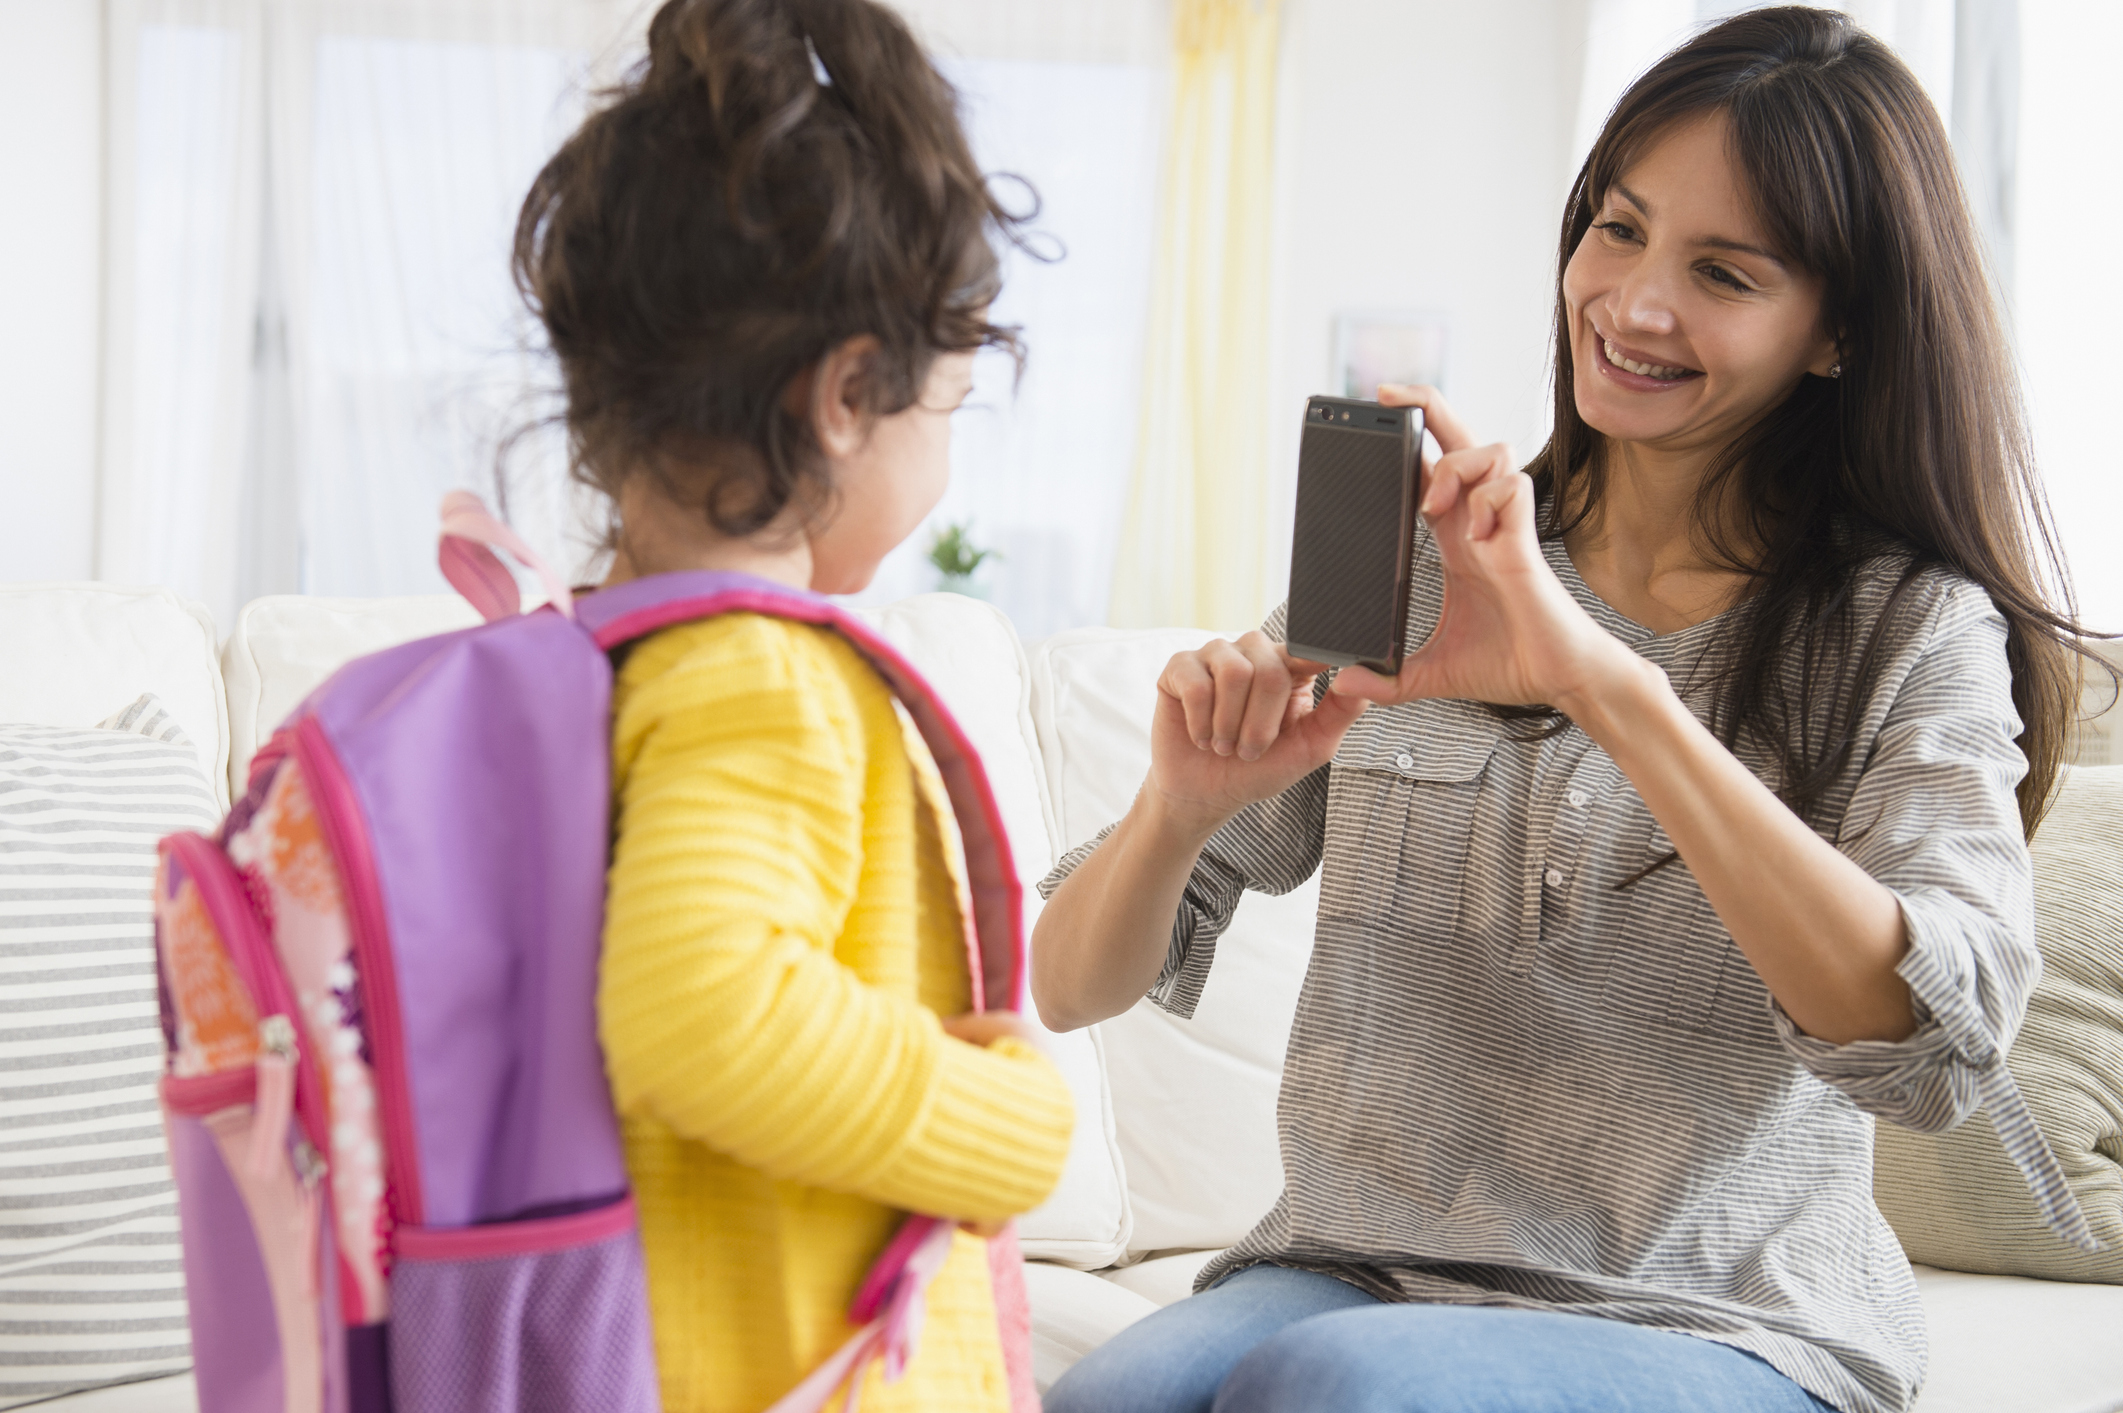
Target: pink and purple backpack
x=399, y=1173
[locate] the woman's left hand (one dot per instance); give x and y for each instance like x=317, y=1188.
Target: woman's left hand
x=1509, y=632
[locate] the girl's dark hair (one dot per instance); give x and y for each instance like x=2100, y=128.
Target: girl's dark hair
x=776, y=177
x=1919, y=447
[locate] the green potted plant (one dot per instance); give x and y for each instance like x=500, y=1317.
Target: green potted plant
x=957, y=558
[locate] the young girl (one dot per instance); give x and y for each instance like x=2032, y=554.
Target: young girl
x=765, y=266
x=1612, y=979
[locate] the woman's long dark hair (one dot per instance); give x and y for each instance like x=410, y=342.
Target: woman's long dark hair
x=1919, y=447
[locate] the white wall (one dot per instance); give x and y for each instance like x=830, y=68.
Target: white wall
x=51, y=166
x=2067, y=309
x=1421, y=166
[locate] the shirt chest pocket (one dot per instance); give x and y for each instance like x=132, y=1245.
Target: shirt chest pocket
x=1401, y=808
x=1675, y=964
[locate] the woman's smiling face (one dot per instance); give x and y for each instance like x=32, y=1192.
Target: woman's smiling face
x=1685, y=324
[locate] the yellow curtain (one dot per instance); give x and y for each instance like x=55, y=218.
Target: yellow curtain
x=1193, y=549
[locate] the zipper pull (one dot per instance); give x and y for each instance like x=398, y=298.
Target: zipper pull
x=275, y=1103
x=309, y=1167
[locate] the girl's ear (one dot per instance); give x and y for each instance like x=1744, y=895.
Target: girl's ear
x=839, y=395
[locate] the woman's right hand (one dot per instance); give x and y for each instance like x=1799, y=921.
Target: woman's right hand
x=1235, y=724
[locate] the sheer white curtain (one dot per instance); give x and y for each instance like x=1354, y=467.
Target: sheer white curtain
x=1040, y=465
x=403, y=137
x=1070, y=98
x=311, y=333
x=183, y=205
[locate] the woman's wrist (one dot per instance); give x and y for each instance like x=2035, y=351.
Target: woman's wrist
x=1618, y=686
x=1174, y=824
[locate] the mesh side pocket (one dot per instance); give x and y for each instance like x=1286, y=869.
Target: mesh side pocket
x=562, y=1331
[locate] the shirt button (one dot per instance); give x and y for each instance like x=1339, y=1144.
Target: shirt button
x=1578, y=798
x=1404, y=761
x=1553, y=878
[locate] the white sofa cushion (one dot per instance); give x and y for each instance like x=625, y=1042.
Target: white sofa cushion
x=2007, y=1342
x=1073, y=1313
x=75, y=653
x=176, y=1395
x=284, y=647
x=1195, y=1098
x=1162, y=1279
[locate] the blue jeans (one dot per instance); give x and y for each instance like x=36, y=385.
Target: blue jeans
x=1271, y=1340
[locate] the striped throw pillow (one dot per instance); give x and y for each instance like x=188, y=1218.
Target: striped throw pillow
x=91, y=1282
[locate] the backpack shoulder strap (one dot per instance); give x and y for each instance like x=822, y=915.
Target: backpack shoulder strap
x=639, y=607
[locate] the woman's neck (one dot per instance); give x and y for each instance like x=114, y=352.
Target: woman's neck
x=1641, y=551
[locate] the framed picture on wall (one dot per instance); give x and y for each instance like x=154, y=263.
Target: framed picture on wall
x=1388, y=346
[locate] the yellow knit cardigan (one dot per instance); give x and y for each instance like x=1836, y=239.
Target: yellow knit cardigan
x=782, y=934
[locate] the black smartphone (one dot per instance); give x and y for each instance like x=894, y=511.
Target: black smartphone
x=1358, y=483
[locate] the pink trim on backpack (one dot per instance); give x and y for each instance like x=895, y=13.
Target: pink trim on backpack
x=890, y=1336
x=251, y=951
x=196, y=1096
x=467, y=560
x=531, y=1238
x=340, y=814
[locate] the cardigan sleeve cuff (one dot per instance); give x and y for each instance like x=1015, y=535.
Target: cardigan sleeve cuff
x=993, y=1140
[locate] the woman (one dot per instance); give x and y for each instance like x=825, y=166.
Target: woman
x=1611, y=978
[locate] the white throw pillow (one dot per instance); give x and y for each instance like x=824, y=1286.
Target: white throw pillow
x=1193, y=1100
x=91, y=1276
x=75, y=651
x=285, y=645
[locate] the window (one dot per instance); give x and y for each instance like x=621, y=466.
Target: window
x=1040, y=470
x=320, y=335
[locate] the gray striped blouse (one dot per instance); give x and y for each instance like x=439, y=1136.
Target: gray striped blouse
x=1514, y=1082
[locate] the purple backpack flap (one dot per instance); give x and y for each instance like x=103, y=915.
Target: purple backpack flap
x=399, y=1173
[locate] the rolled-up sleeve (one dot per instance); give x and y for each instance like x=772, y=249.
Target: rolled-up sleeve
x=1934, y=818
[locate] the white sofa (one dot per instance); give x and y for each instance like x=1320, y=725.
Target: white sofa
x=1175, y=1153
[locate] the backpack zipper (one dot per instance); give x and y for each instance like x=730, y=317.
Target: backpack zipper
x=275, y=1100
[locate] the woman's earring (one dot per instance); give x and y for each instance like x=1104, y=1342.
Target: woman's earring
x=1835, y=370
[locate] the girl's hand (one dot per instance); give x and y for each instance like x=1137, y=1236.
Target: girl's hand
x=984, y=1028
x=1510, y=632
x=1236, y=723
